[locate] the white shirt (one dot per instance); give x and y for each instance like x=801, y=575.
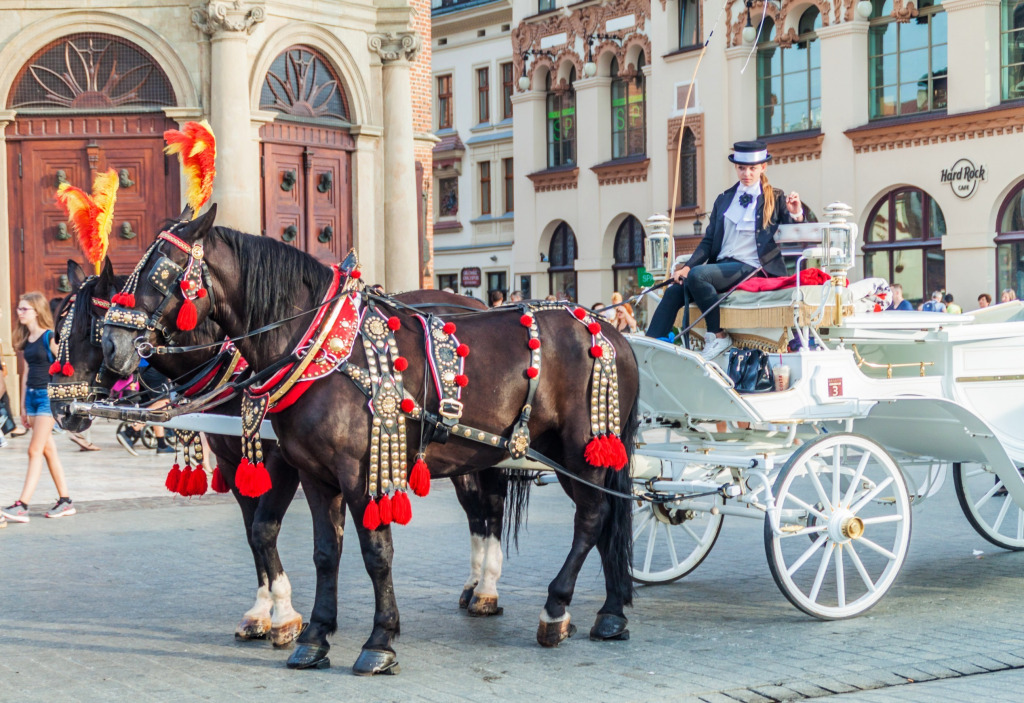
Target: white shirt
x=738, y=241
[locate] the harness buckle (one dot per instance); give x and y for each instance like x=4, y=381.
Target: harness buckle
x=143, y=348
x=450, y=409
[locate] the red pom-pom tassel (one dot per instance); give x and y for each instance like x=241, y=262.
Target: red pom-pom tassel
x=183, y=481
x=197, y=482
x=407, y=405
x=356, y=274
x=173, y=476
x=596, y=351
x=401, y=509
x=532, y=372
x=462, y=350
x=615, y=452
x=371, y=516
x=55, y=368
x=188, y=316
x=401, y=363
x=461, y=380
x=449, y=328
x=534, y=344
x=580, y=313
x=419, y=478
x=252, y=480
x=68, y=369
x=384, y=506
x=594, y=328
x=394, y=323
x=218, y=484
x=526, y=320
x=201, y=293
x=594, y=454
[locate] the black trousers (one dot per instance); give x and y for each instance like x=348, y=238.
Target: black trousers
x=703, y=284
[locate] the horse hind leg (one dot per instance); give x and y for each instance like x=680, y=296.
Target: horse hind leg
x=377, y=655
x=492, y=492
x=255, y=623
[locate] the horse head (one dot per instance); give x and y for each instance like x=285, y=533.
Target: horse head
x=165, y=294
x=78, y=373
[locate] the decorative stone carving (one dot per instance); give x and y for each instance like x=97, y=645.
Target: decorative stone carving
x=555, y=179
x=904, y=11
x=789, y=150
x=238, y=16
x=827, y=8
x=622, y=171
x=392, y=46
x=940, y=129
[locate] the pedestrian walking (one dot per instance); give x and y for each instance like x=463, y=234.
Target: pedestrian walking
x=33, y=338
x=935, y=304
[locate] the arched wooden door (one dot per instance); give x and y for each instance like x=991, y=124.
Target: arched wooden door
x=306, y=156
x=86, y=103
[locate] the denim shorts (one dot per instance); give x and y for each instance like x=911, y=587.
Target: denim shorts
x=37, y=402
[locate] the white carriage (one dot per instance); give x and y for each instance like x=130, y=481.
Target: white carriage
x=873, y=419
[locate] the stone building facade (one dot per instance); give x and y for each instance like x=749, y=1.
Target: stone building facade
x=319, y=144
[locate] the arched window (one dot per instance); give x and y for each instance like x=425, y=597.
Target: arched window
x=562, y=263
x=1010, y=243
x=789, y=78
x=903, y=243
x=629, y=257
x=1012, y=49
x=561, y=121
x=629, y=111
x=302, y=84
x=906, y=60
x=688, y=171
x=91, y=72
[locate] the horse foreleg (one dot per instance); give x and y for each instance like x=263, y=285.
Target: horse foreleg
x=493, y=488
x=255, y=623
x=328, y=511
x=377, y=655
x=467, y=491
x=615, y=544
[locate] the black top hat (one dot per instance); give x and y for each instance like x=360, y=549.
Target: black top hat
x=750, y=153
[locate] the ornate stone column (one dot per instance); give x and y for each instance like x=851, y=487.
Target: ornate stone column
x=401, y=237
x=237, y=188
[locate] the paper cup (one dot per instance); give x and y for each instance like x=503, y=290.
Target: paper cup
x=781, y=377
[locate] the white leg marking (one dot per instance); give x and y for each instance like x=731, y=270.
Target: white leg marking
x=544, y=617
x=281, y=591
x=492, y=567
x=261, y=609
x=477, y=551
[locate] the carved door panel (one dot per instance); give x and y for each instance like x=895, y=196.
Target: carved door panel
x=329, y=195
x=284, y=193
x=41, y=241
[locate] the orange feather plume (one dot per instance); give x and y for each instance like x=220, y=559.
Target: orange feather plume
x=91, y=216
x=196, y=147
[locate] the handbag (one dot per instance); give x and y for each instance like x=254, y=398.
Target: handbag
x=750, y=371
x=7, y=424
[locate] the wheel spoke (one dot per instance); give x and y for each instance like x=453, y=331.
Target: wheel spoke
x=840, y=578
x=643, y=525
x=671, y=545
x=649, y=556
x=837, y=474
x=1002, y=513
x=812, y=530
x=874, y=547
x=805, y=506
x=822, y=496
x=991, y=492
x=868, y=498
x=822, y=568
x=818, y=544
x=689, y=530
x=859, y=565
x=896, y=517
x=863, y=464
x=1020, y=524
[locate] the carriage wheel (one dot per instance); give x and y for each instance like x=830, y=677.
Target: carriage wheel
x=988, y=507
x=862, y=524
x=669, y=543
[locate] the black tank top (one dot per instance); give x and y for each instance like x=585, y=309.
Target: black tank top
x=38, y=359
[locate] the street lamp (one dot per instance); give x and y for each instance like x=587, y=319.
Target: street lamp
x=698, y=225
x=749, y=33
x=864, y=9
x=590, y=67
x=524, y=80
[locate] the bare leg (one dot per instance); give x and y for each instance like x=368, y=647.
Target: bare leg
x=42, y=446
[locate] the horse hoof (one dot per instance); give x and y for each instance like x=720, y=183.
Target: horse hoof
x=252, y=628
x=609, y=627
x=467, y=595
x=484, y=606
x=550, y=634
x=372, y=662
x=309, y=656
x=284, y=634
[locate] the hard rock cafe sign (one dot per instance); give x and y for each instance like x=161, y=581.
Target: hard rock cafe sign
x=963, y=177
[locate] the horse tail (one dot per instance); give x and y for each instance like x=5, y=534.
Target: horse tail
x=616, y=537
x=517, y=504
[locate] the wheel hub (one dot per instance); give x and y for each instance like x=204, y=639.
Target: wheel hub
x=844, y=526
x=671, y=516
x=853, y=528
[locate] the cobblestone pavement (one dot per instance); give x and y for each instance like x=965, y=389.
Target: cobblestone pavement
x=138, y=598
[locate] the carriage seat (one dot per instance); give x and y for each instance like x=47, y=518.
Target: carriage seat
x=774, y=309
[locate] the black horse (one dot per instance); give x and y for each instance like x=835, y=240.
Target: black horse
x=481, y=495
x=254, y=281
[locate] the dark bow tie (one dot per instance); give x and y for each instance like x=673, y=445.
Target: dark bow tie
x=746, y=199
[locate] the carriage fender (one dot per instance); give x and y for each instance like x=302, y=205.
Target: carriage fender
x=943, y=430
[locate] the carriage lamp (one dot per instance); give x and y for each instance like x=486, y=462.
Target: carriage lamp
x=658, y=245
x=838, y=240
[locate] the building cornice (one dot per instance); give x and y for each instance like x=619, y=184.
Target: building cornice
x=555, y=179
x=803, y=147
x=936, y=130
x=621, y=171
x=844, y=29
x=473, y=18
x=958, y=5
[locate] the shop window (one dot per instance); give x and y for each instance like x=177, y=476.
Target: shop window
x=629, y=257
x=497, y=280
x=562, y=263
x=903, y=243
x=689, y=23
x=1012, y=49
x=906, y=61
x=789, y=78
x=449, y=281
x=629, y=111
x=561, y=122
x=1010, y=243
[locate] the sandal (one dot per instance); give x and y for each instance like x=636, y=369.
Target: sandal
x=86, y=445
x=20, y=432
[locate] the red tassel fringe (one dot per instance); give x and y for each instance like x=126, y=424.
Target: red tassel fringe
x=218, y=484
x=252, y=480
x=401, y=509
x=419, y=478
x=197, y=482
x=606, y=451
x=371, y=516
x=384, y=506
x=55, y=368
x=173, y=476
x=68, y=369
x=125, y=299
x=188, y=316
x=183, y=481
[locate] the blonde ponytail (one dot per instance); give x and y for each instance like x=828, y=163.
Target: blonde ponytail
x=769, y=200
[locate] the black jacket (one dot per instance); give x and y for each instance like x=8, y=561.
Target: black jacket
x=767, y=249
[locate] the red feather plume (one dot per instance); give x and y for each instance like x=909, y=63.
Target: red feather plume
x=91, y=216
x=196, y=147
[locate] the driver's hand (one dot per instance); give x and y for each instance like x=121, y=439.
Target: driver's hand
x=680, y=274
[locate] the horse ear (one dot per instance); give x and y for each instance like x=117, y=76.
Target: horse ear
x=187, y=214
x=76, y=276
x=107, y=274
x=202, y=224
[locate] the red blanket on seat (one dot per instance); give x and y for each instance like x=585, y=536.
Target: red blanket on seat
x=808, y=277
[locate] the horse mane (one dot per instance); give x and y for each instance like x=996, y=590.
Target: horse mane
x=273, y=274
